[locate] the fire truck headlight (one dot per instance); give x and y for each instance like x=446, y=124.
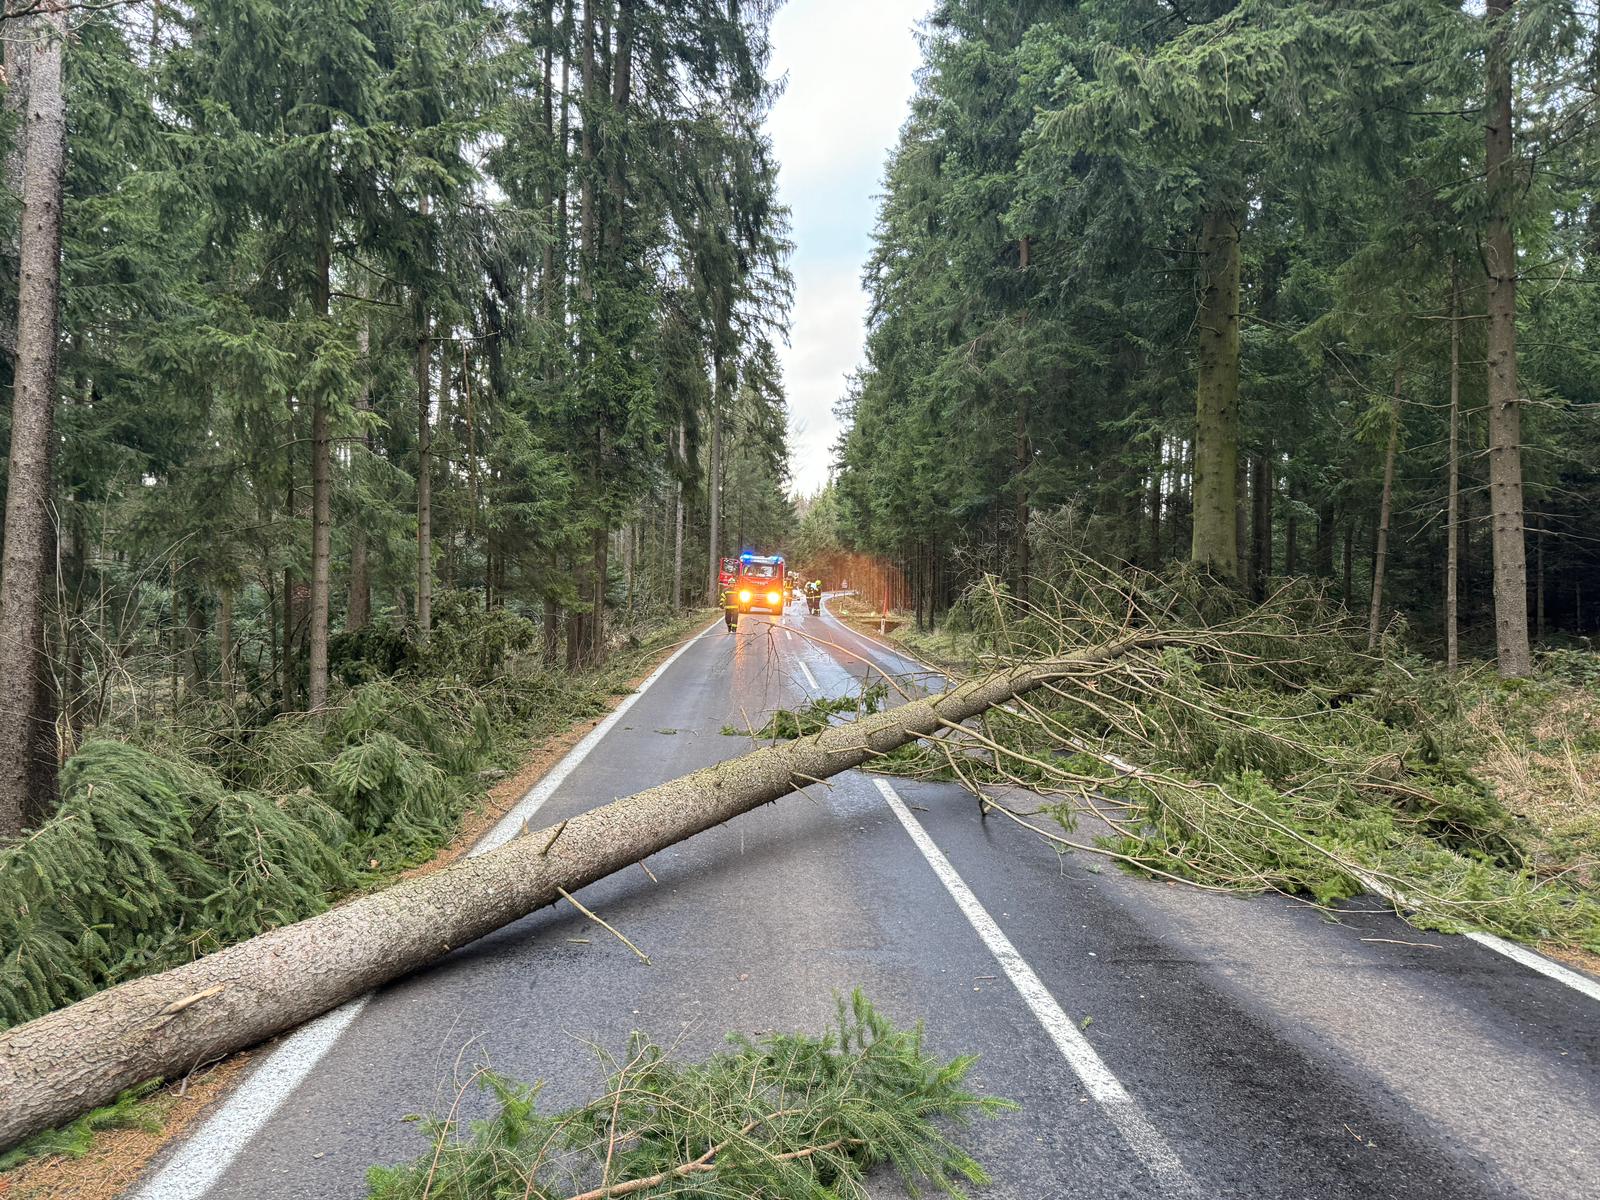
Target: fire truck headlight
x=744, y=597
x=774, y=597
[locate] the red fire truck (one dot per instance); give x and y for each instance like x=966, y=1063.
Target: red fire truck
x=760, y=583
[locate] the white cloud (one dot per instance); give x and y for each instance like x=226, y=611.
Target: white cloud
x=849, y=65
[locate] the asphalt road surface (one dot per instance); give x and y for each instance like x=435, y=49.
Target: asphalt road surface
x=1161, y=1042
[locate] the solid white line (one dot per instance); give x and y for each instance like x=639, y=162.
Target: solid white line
x=1106, y=1089
x=891, y=657
x=202, y=1158
x=1521, y=955
x=806, y=671
x=511, y=824
x=1539, y=963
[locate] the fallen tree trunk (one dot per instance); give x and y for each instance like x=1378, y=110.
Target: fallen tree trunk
x=61, y=1065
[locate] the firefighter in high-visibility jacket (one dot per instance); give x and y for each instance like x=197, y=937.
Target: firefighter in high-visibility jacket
x=814, y=596
x=730, y=609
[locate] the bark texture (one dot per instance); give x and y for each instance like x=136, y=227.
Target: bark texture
x=1216, y=449
x=424, y=472
x=1505, y=406
x=27, y=700
x=1452, y=568
x=359, y=609
x=321, y=516
x=677, y=532
x=714, y=478
x=1380, y=558
x=62, y=1064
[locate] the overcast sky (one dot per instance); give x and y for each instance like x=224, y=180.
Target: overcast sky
x=849, y=65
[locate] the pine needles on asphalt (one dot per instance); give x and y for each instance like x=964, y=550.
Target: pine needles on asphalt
x=790, y=1117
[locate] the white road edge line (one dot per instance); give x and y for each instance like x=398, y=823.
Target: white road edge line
x=1123, y=1111
x=1521, y=955
x=1538, y=962
x=899, y=657
x=204, y=1155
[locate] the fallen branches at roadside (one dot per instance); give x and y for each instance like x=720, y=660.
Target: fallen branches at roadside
x=1257, y=747
x=791, y=1117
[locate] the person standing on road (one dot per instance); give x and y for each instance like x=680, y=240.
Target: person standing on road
x=730, y=610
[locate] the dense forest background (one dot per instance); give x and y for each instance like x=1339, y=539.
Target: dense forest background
x=375, y=316
x=1285, y=287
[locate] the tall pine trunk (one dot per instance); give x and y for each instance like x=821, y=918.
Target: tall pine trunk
x=1153, y=502
x=1261, y=521
x=1216, y=450
x=1505, y=406
x=424, y=464
x=1020, y=449
x=359, y=610
x=225, y=639
x=1326, y=531
x=321, y=511
x=1385, y=505
x=27, y=701
x=1452, y=568
x=677, y=533
x=714, y=478
x=18, y=64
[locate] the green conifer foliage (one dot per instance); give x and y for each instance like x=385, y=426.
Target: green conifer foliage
x=793, y=1117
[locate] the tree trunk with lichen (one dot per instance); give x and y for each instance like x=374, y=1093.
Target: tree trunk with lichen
x=61, y=1065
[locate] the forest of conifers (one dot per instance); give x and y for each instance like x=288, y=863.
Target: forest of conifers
x=373, y=314
x=382, y=382
x=377, y=319
x=1286, y=288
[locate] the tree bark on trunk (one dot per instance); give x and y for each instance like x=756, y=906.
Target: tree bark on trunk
x=1349, y=564
x=1021, y=560
x=1157, y=470
x=225, y=640
x=1538, y=577
x=1381, y=554
x=1291, y=531
x=1452, y=568
x=321, y=510
x=424, y=465
x=18, y=64
x=550, y=630
x=1261, y=521
x=547, y=267
x=1216, y=450
x=27, y=701
x=677, y=533
x=66, y=1062
x=195, y=642
x=359, y=610
x=1326, y=529
x=1505, y=406
x=469, y=418
x=1241, y=514
x=714, y=479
